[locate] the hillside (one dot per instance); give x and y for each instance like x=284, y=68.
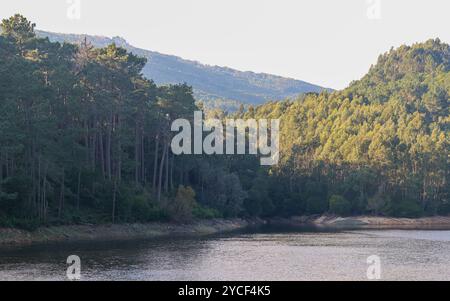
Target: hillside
x=380, y=146
x=210, y=83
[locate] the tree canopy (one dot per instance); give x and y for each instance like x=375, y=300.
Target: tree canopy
x=84, y=138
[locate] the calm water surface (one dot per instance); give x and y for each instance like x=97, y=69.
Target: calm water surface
x=405, y=255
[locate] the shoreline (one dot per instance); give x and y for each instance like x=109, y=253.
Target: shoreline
x=109, y=232
x=365, y=222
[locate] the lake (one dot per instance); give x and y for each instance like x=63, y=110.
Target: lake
x=261, y=255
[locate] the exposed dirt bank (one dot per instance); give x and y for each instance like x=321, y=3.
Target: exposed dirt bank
x=366, y=222
x=11, y=237
x=74, y=233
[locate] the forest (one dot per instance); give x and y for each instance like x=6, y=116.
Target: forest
x=85, y=138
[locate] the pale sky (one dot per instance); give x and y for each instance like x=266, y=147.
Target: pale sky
x=325, y=42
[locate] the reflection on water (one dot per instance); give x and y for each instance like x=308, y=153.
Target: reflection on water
x=405, y=255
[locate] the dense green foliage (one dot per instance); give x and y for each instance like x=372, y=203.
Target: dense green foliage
x=84, y=138
x=339, y=205
x=382, y=144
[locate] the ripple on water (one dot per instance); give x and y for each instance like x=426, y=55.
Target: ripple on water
x=404, y=254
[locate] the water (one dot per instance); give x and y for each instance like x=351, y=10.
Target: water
x=405, y=255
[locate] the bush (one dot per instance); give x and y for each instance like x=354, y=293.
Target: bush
x=340, y=206
x=138, y=206
x=444, y=208
x=316, y=205
x=202, y=212
x=27, y=224
x=181, y=208
x=20, y=223
x=377, y=204
x=405, y=208
x=292, y=205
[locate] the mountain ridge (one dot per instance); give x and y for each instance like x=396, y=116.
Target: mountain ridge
x=211, y=83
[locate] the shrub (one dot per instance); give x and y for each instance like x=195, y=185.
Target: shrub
x=27, y=224
x=340, y=206
x=316, y=205
x=292, y=205
x=20, y=223
x=377, y=204
x=202, y=212
x=180, y=209
x=140, y=207
x=405, y=208
x=444, y=208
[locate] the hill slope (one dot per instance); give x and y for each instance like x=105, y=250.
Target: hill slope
x=380, y=146
x=209, y=82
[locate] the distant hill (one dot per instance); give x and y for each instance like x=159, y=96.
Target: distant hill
x=210, y=83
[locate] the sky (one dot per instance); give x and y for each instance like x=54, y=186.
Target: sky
x=325, y=42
